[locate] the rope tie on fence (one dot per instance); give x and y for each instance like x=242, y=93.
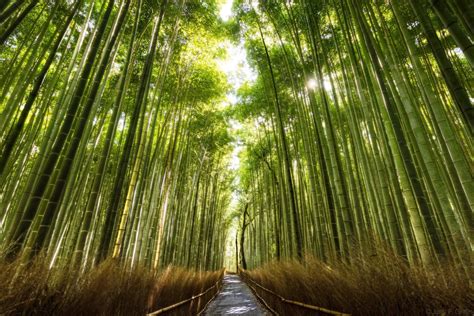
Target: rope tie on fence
x=285, y=300
x=171, y=307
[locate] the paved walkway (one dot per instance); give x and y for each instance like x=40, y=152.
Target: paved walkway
x=235, y=298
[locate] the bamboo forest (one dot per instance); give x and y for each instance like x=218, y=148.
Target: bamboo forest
x=220, y=157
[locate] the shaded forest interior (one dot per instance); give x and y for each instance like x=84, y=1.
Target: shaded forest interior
x=323, y=145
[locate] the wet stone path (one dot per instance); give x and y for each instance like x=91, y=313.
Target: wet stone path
x=235, y=298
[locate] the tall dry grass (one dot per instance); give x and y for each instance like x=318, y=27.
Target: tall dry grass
x=108, y=289
x=383, y=284
x=178, y=284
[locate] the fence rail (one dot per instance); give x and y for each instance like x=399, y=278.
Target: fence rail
x=176, y=305
x=285, y=300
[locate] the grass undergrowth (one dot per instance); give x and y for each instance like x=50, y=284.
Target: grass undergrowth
x=108, y=289
x=382, y=284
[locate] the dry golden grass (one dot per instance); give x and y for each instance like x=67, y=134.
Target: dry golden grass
x=383, y=284
x=108, y=289
x=178, y=284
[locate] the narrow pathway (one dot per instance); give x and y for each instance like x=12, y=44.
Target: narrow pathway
x=235, y=298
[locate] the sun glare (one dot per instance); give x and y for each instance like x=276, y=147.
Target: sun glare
x=311, y=84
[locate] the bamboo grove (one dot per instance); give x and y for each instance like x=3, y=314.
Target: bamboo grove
x=358, y=128
x=113, y=143
x=116, y=137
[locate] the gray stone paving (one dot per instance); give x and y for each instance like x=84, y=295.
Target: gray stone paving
x=235, y=298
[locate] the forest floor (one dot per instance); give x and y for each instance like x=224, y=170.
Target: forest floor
x=235, y=298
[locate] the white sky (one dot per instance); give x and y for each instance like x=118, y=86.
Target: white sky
x=238, y=71
x=235, y=66
x=226, y=10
